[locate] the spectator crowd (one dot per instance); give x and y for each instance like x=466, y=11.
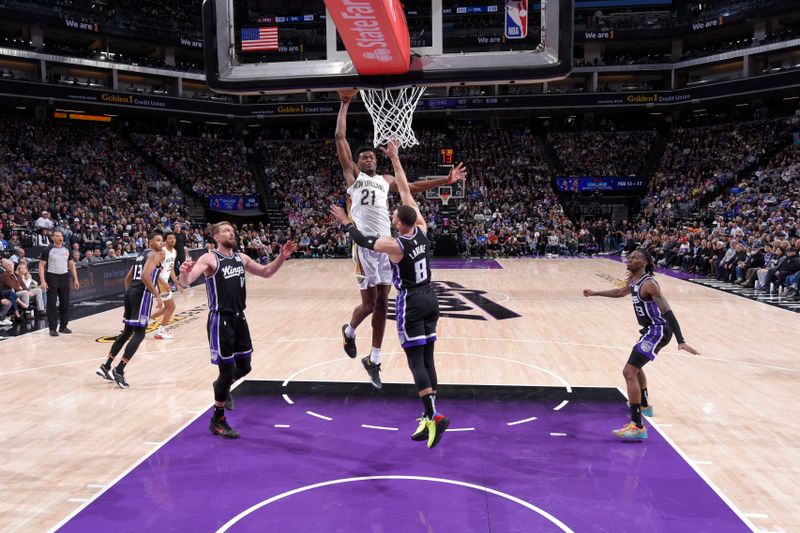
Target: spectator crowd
x=724, y=200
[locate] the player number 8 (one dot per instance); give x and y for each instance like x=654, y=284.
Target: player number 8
x=421, y=268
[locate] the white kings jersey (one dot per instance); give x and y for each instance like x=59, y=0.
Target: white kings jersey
x=168, y=264
x=369, y=205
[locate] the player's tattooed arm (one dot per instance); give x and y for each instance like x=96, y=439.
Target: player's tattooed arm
x=385, y=245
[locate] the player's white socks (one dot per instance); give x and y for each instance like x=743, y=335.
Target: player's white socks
x=350, y=331
x=375, y=356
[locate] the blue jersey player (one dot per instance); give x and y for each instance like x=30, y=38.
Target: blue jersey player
x=658, y=326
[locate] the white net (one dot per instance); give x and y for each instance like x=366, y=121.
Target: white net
x=391, y=111
x=445, y=193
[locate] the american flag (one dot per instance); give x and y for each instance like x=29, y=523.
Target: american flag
x=261, y=38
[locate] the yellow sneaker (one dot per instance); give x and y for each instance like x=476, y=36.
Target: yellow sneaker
x=631, y=432
x=436, y=429
x=422, y=430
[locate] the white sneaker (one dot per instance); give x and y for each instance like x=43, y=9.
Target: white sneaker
x=163, y=335
x=6, y=322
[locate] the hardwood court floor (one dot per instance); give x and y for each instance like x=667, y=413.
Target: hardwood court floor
x=68, y=433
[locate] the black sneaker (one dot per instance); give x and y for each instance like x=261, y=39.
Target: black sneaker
x=349, y=344
x=229, y=404
x=53, y=333
x=220, y=427
x=105, y=374
x=64, y=330
x=436, y=429
x=373, y=371
x=120, y=379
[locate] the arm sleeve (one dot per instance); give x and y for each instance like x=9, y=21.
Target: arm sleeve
x=672, y=322
x=365, y=241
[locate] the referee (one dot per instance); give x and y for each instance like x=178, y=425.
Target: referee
x=54, y=263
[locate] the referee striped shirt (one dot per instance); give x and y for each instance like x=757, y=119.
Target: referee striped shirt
x=57, y=258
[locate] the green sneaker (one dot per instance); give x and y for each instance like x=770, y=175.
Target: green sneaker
x=648, y=411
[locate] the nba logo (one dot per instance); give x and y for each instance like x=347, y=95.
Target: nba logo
x=516, y=19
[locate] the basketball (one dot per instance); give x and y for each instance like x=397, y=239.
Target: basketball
x=348, y=93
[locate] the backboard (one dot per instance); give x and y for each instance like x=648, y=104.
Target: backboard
x=455, y=190
x=272, y=46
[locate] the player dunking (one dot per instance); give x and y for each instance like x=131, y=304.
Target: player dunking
x=167, y=274
x=368, y=194
x=658, y=325
x=140, y=291
x=228, y=334
x=417, y=306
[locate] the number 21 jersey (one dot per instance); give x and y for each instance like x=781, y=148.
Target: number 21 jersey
x=368, y=205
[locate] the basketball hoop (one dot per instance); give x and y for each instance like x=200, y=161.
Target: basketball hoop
x=445, y=193
x=391, y=111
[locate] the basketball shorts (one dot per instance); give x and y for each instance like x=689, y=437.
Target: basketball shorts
x=372, y=268
x=417, y=314
x=228, y=337
x=652, y=340
x=164, y=290
x=138, y=302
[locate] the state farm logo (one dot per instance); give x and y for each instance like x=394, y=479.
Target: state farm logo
x=381, y=54
x=362, y=22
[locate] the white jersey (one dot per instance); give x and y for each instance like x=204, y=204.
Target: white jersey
x=369, y=205
x=168, y=264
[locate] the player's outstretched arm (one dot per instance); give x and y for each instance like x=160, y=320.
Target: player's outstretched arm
x=191, y=270
x=386, y=245
x=342, y=146
x=392, y=152
x=269, y=270
x=612, y=293
x=457, y=173
x=652, y=290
